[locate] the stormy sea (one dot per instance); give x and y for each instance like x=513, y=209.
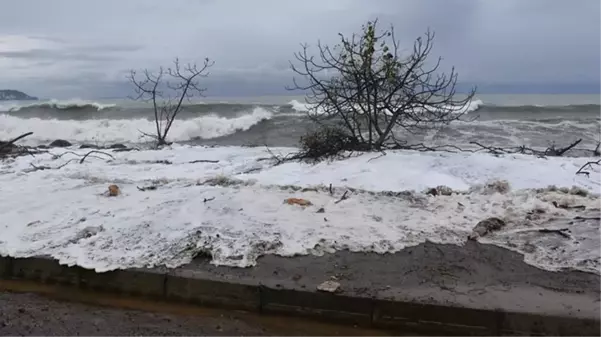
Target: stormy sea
x=232, y=201
x=536, y=121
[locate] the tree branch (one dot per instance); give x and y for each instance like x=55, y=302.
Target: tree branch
x=11, y=142
x=370, y=89
x=167, y=90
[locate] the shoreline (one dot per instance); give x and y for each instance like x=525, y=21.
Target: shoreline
x=475, y=288
x=228, y=202
x=172, y=205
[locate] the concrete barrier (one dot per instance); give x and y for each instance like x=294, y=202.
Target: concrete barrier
x=333, y=307
x=192, y=287
x=6, y=263
x=431, y=319
x=43, y=269
x=133, y=282
x=204, y=287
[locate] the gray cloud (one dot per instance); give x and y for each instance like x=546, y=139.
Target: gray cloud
x=55, y=55
x=46, y=45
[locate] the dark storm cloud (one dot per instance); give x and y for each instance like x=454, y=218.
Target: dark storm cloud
x=509, y=41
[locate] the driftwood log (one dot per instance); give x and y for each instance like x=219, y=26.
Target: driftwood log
x=10, y=149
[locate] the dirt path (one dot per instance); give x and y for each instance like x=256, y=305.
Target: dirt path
x=30, y=314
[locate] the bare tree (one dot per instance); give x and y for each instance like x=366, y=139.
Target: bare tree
x=372, y=89
x=167, y=89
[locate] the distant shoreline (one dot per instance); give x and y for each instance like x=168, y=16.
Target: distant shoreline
x=15, y=95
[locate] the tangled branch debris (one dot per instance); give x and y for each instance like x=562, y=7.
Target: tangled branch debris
x=97, y=152
x=147, y=188
x=561, y=231
x=80, y=161
x=83, y=156
x=344, y=197
x=203, y=161
x=10, y=143
x=278, y=158
x=332, y=144
x=10, y=149
x=44, y=167
x=551, y=151
x=588, y=166
x=168, y=162
x=427, y=148
x=579, y=207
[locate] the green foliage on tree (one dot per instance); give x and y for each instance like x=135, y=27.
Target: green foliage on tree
x=367, y=87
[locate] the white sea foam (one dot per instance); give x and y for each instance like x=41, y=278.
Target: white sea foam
x=300, y=107
x=123, y=130
x=473, y=105
x=45, y=212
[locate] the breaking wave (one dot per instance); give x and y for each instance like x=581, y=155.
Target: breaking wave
x=68, y=105
x=77, y=107
x=479, y=105
x=125, y=130
x=305, y=107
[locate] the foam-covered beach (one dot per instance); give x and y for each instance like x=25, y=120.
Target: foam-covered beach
x=228, y=202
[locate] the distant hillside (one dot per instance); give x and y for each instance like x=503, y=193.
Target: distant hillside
x=15, y=95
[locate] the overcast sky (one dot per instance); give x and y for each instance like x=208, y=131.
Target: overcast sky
x=75, y=48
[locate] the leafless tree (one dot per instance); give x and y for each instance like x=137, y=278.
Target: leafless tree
x=371, y=87
x=167, y=89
